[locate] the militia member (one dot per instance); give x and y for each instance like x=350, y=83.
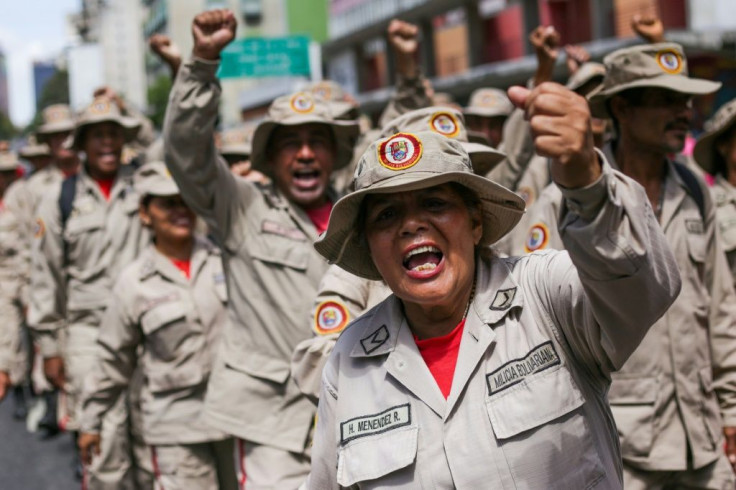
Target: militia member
x=172, y=302
x=266, y=231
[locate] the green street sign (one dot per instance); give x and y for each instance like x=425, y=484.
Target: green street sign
x=266, y=57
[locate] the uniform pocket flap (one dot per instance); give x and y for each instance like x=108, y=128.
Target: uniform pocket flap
x=295, y=255
x=633, y=391
x=260, y=366
x=168, y=378
x=371, y=457
x=85, y=222
x=162, y=315
x=696, y=246
x=535, y=401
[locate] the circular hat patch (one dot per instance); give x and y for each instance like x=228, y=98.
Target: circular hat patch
x=400, y=151
x=445, y=124
x=330, y=317
x=537, y=238
x=100, y=106
x=488, y=100
x=322, y=91
x=302, y=103
x=670, y=61
x=55, y=114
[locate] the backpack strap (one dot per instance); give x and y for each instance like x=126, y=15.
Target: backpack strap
x=692, y=184
x=66, y=198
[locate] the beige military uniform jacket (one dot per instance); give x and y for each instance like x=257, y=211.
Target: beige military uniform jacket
x=74, y=268
x=678, y=389
x=527, y=408
x=341, y=298
x=178, y=321
x=272, y=273
x=10, y=287
x=724, y=196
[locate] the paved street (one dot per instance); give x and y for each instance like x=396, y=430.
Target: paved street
x=29, y=463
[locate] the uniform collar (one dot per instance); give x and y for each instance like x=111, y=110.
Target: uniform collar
x=277, y=200
x=156, y=263
x=121, y=186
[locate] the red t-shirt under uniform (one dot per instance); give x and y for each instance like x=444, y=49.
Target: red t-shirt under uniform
x=320, y=216
x=183, y=265
x=440, y=355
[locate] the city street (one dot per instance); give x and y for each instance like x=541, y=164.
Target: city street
x=29, y=463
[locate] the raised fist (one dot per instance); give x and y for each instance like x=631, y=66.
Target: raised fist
x=546, y=42
x=403, y=36
x=648, y=27
x=560, y=124
x=212, y=31
x=165, y=49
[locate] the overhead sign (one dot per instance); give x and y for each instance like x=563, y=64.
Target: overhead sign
x=266, y=57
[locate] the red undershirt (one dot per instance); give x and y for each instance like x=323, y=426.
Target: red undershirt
x=440, y=355
x=182, y=265
x=320, y=216
x=105, y=186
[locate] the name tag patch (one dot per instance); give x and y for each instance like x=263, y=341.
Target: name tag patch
x=273, y=228
x=368, y=425
x=543, y=356
x=694, y=226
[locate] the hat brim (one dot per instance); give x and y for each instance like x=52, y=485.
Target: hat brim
x=237, y=150
x=341, y=243
x=677, y=83
x=34, y=152
x=477, y=111
x=46, y=129
x=130, y=128
x=483, y=157
x=705, y=146
x=345, y=133
x=164, y=190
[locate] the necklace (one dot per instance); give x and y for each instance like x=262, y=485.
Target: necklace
x=470, y=300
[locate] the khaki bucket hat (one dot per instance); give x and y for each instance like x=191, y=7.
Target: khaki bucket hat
x=33, y=149
x=154, y=179
x=56, y=118
x=406, y=162
x=103, y=109
x=302, y=108
x=237, y=141
x=705, y=150
x=8, y=161
x=489, y=102
x=587, y=72
x=332, y=93
x=661, y=65
x=450, y=123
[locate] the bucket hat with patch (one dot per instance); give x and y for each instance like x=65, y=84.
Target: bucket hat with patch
x=661, y=65
x=8, y=161
x=237, y=141
x=489, y=102
x=407, y=162
x=154, y=179
x=450, y=123
x=302, y=108
x=101, y=110
x=56, y=118
x=33, y=149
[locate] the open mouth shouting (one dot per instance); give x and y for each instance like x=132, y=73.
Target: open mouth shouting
x=423, y=261
x=306, y=178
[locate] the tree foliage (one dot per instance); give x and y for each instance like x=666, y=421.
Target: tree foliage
x=158, y=97
x=54, y=91
x=7, y=129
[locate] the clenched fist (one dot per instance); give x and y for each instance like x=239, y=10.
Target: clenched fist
x=212, y=31
x=165, y=49
x=560, y=124
x=648, y=27
x=404, y=40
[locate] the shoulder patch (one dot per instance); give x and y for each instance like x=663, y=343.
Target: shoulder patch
x=375, y=339
x=330, y=317
x=540, y=358
x=503, y=299
x=377, y=423
x=537, y=239
x=40, y=229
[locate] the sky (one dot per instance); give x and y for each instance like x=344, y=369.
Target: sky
x=31, y=30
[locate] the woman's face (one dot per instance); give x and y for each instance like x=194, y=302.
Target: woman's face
x=169, y=218
x=103, y=145
x=423, y=243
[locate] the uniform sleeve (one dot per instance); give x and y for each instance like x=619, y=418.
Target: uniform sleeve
x=47, y=293
x=410, y=94
x=323, y=473
x=204, y=179
x=342, y=297
x=519, y=148
x=115, y=360
x=722, y=316
x=19, y=204
x=624, y=276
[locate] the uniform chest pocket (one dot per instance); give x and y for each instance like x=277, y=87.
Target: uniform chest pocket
x=375, y=456
x=85, y=223
x=544, y=411
x=168, y=332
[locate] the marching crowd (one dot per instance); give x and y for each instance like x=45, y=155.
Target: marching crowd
x=533, y=291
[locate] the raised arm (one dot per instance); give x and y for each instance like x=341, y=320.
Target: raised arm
x=206, y=183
